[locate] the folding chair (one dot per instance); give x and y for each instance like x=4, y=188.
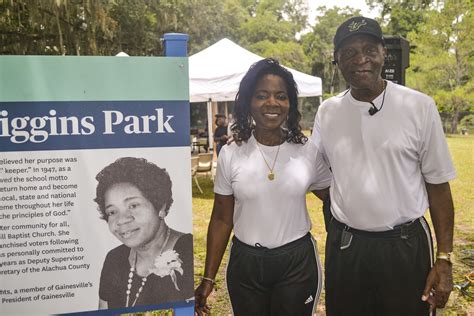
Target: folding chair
x=194, y=169
x=205, y=163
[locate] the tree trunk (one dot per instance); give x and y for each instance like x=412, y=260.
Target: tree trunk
x=92, y=25
x=60, y=33
x=454, y=122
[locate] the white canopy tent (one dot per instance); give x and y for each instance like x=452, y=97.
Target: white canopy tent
x=215, y=74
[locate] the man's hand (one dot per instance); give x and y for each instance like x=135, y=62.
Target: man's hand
x=200, y=296
x=439, y=285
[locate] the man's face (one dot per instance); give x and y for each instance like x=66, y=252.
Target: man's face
x=360, y=59
x=220, y=121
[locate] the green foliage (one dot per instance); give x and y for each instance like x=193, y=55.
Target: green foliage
x=468, y=120
x=292, y=11
x=296, y=12
x=55, y=27
x=266, y=26
x=290, y=54
x=134, y=34
x=318, y=45
x=440, y=33
x=207, y=21
x=401, y=16
x=270, y=30
x=106, y=27
x=467, y=123
x=452, y=99
x=308, y=108
x=441, y=60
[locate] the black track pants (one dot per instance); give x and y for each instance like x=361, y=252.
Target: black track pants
x=279, y=281
x=379, y=274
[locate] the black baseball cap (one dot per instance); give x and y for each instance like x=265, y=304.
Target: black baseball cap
x=357, y=25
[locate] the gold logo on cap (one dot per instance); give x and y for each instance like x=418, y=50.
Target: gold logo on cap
x=355, y=26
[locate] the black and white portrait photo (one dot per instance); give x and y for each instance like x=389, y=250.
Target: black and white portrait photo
x=154, y=262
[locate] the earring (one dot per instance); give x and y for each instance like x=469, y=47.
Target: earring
x=161, y=214
x=284, y=125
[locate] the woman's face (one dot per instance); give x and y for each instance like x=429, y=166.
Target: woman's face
x=131, y=217
x=270, y=103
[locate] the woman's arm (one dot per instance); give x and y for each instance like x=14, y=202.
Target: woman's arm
x=218, y=234
x=321, y=194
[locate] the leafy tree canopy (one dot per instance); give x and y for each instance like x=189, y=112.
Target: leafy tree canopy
x=442, y=61
x=318, y=44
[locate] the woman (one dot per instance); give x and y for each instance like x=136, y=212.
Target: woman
x=260, y=194
x=154, y=264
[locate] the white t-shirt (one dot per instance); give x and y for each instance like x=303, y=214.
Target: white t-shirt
x=380, y=163
x=271, y=213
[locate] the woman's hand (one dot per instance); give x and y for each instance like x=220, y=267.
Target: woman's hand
x=200, y=296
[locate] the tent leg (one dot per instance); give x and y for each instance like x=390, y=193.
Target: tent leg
x=197, y=184
x=210, y=132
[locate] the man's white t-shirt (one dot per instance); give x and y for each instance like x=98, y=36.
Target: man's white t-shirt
x=380, y=163
x=270, y=213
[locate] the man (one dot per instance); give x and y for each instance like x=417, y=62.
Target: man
x=390, y=162
x=220, y=134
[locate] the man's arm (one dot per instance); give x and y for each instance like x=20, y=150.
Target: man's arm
x=440, y=277
x=321, y=194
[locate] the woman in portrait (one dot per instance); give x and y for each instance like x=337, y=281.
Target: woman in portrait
x=154, y=263
x=260, y=195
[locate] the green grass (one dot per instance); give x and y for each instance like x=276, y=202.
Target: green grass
x=462, y=150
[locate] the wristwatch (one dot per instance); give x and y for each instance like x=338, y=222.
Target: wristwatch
x=448, y=256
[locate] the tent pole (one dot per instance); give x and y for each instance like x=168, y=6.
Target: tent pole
x=210, y=132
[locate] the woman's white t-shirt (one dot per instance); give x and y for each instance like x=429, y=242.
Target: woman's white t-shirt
x=270, y=212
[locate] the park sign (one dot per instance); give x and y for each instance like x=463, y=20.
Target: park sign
x=94, y=176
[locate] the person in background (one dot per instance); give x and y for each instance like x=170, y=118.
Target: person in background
x=220, y=133
x=390, y=162
x=260, y=194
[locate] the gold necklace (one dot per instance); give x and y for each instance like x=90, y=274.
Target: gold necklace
x=271, y=175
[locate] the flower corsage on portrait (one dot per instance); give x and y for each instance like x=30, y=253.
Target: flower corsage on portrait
x=167, y=264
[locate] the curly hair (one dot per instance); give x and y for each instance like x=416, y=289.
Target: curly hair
x=243, y=125
x=152, y=181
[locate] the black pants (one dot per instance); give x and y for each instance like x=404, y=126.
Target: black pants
x=381, y=273
x=279, y=281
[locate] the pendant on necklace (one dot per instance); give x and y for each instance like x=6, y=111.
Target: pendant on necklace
x=271, y=176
